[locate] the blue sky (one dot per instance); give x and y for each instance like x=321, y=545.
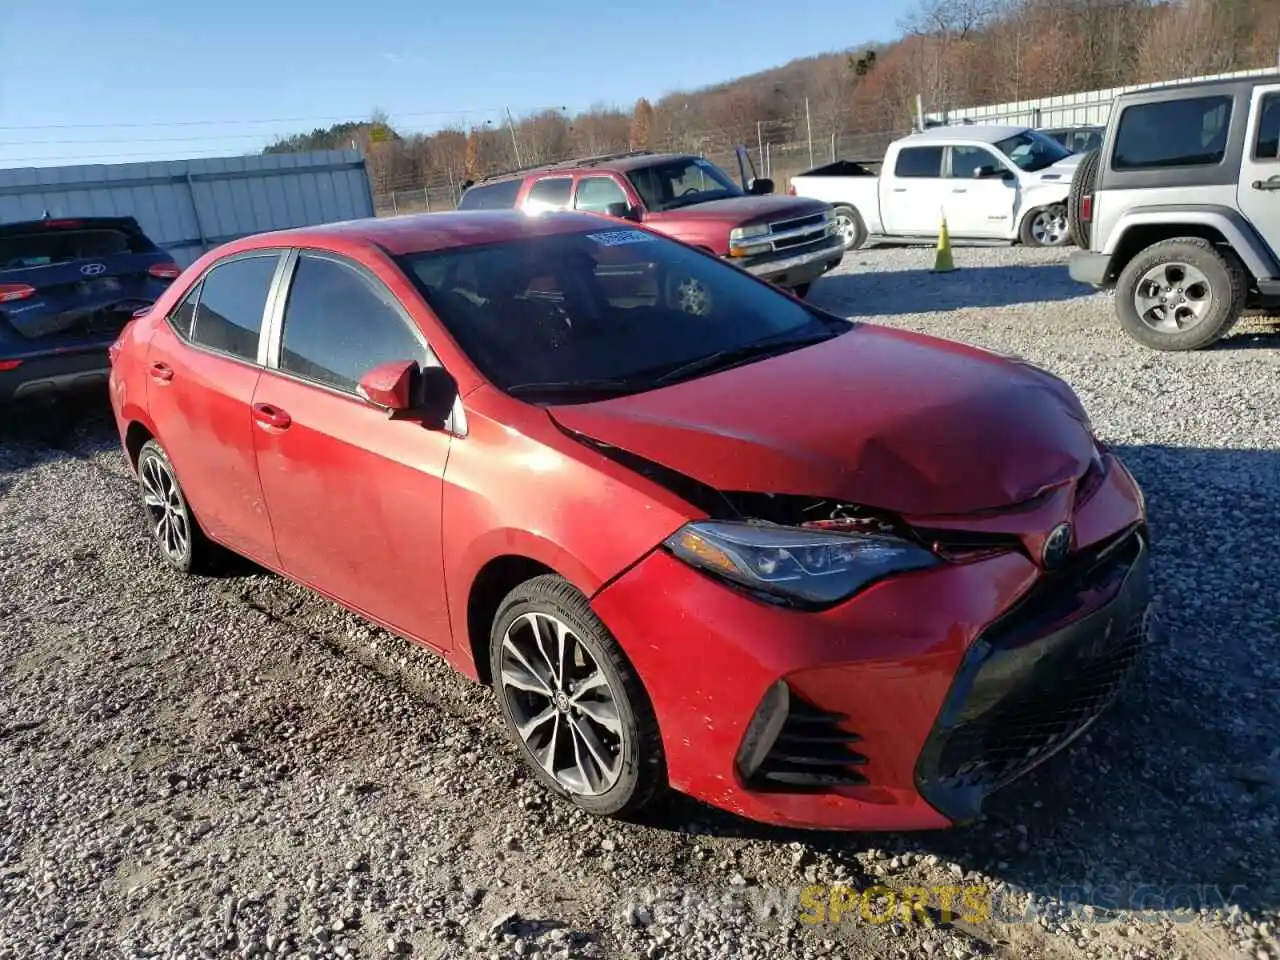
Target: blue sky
x=93, y=82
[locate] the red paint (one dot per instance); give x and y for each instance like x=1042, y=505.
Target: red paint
x=389, y=385
x=396, y=520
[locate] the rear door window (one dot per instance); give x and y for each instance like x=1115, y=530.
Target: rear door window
x=1267, y=146
x=549, y=193
x=228, y=313
x=491, y=196
x=1173, y=133
x=919, y=162
x=340, y=324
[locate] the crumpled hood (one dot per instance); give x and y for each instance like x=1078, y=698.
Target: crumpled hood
x=879, y=417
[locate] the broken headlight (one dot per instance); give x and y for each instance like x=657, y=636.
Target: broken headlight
x=812, y=566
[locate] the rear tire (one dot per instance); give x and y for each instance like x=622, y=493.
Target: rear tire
x=850, y=226
x=1181, y=294
x=172, y=525
x=563, y=710
x=1082, y=185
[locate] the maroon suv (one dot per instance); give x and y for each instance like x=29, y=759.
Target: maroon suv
x=790, y=241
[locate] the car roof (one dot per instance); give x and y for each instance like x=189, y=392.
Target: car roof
x=425, y=232
x=978, y=133
x=621, y=163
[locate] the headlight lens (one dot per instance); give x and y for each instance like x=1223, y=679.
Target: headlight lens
x=743, y=234
x=808, y=565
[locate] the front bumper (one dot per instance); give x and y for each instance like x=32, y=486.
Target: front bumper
x=1086, y=267
x=915, y=679
x=789, y=269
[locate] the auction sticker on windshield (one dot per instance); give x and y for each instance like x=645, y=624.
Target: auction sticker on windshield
x=616, y=238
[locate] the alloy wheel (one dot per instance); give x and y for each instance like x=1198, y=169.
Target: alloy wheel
x=561, y=704
x=847, y=229
x=1172, y=297
x=1050, y=227
x=166, y=510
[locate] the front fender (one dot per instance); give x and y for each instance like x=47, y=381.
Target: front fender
x=1041, y=195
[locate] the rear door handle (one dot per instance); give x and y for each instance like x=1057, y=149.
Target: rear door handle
x=899, y=189
x=269, y=416
x=161, y=372
x=1272, y=184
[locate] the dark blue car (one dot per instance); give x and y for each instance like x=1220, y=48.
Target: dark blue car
x=67, y=287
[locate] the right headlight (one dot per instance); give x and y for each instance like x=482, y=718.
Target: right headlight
x=812, y=566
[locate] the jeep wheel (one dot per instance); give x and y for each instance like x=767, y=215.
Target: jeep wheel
x=1082, y=185
x=1046, y=227
x=1180, y=294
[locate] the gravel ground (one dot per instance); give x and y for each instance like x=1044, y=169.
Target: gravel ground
x=233, y=767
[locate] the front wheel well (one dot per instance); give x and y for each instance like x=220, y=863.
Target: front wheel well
x=1137, y=239
x=496, y=579
x=134, y=437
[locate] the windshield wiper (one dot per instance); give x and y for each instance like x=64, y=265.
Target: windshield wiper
x=733, y=356
x=602, y=385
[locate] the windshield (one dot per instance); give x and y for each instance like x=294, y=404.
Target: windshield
x=605, y=312
x=1032, y=150
x=679, y=183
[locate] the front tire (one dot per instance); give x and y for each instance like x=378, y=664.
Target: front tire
x=172, y=525
x=850, y=226
x=1180, y=294
x=1046, y=227
x=572, y=702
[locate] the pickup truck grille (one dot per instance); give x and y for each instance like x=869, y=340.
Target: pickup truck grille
x=798, y=232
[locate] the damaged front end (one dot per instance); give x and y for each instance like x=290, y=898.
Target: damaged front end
x=797, y=551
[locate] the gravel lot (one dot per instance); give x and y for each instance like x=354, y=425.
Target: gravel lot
x=233, y=767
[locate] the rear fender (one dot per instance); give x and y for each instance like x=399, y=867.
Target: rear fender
x=1234, y=228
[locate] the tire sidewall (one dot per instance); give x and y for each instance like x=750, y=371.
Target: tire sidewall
x=1222, y=285
x=153, y=451
x=860, y=228
x=1028, y=222
x=619, y=795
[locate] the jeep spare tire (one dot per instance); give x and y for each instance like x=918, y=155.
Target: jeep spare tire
x=1082, y=185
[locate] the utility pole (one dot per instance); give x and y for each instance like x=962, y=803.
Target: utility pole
x=808, y=122
x=760, y=146
x=515, y=144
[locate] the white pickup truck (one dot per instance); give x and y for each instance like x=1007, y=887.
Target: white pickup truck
x=990, y=182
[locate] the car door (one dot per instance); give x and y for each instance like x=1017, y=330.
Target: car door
x=913, y=192
x=354, y=496
x=203, y=365
x=595, y=193
x=1259, y=183
x=979, y=207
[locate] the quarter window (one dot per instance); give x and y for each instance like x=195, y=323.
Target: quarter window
x=919, y=162
x=182, y=317
x=491, y=196
x=1173, y=133
x=596, y=193
x=228, y=312
x=338, y=326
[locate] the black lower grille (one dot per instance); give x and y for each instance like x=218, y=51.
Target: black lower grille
x=1038, y=677
x=812, y=752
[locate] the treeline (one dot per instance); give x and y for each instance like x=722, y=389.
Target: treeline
x=952, y=53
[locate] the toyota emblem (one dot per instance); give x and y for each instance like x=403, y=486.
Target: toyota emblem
x=93, y=269
x=1056, y=547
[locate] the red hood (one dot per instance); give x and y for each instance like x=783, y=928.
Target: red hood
x=877, y=417
x=736, y=211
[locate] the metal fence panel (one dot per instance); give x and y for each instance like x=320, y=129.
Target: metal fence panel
x=1090, y=108
x=191, y=206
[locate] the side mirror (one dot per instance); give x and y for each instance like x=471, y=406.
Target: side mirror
x=391, y=385
x=761, y=187
x=981, y=173
x=622, y=210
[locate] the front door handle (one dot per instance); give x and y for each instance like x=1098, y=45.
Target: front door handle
x=960, y=190
x=1271, y=184
x=269, y=416
x=161, y=372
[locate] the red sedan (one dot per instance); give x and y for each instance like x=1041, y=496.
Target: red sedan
x=695, y=532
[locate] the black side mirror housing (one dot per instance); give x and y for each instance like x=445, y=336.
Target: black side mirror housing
x=761, y=187
x=623, y=211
